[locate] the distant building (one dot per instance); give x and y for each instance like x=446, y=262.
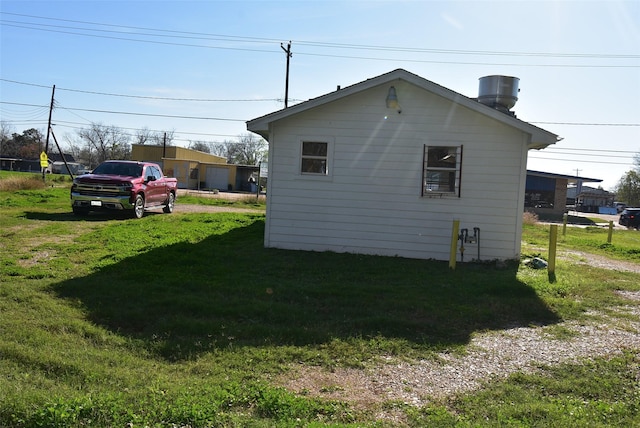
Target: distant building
x=18, y=164
x=195, y=169
x=589, y=199
x=550, y=194
x=74, y=168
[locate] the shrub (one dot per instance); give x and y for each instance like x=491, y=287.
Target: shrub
x=529, y=217
x=13, y=183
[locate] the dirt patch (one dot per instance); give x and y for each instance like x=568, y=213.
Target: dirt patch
x=602, y=262
x=491, y=355
x=194, y=208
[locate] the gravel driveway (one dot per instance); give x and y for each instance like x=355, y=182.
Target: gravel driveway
x=491, y=355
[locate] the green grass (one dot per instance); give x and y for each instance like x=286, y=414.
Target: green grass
x=625, y=244
x=598, y=393
x=185, y=319
x=247, y=201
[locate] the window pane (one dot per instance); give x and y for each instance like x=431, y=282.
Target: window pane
x=441, y=170
x=441, y=157
x=317, y=166
x=314, y=149
x=441, y=181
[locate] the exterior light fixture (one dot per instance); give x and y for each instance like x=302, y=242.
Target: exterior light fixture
x=392, y=100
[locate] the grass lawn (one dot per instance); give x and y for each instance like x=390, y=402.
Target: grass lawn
x=186, y=320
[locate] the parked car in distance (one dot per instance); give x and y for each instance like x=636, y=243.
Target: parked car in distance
x=630, y=217
x=123, y=186
x=620, y=206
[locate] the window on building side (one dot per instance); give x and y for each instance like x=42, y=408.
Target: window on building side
x=441, y=170
x=314, y=158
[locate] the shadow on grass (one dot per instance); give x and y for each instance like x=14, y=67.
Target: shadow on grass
x=91, y=216
x=228, y=290
x=69, y=216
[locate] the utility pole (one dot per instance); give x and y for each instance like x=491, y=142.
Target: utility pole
x=286, y=84
x=53, y=92
x=578, y=187
x=164, y=146
x=43, y=155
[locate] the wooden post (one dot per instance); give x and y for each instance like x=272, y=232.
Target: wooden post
x=553, y=238
x=610, y=232
x=454, y=244
x=564, y=224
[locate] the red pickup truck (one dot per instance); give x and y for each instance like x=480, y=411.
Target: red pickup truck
x=123, y=185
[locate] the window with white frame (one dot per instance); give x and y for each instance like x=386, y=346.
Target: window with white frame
x=315, y=158
x=441, y=170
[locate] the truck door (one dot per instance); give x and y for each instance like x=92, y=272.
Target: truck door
x=155, y=185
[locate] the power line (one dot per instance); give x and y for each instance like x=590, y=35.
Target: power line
x=205, y=36
x=581, y=161
x=589, y=150
x=147, y=96
x=67, y=124
x=223, y=37
x=505, y=64
x=156, y=115
x=133, y=113
x=590, y=154
x=585, y=123
x=129, y=39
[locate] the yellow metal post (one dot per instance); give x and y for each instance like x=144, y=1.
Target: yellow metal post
x=454, y=244
x=564, y=224
x=553, y=238
x=610, y=232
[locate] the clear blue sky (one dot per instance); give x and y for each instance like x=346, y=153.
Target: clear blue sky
x=203, y=68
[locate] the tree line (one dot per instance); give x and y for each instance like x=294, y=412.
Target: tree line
x=97, y=143
x=628, y=188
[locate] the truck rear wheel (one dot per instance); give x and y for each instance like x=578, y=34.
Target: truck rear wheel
x=138, y=207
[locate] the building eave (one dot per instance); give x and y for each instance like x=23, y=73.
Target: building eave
x=569, y=178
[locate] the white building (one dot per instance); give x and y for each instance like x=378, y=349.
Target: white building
x=386, y=165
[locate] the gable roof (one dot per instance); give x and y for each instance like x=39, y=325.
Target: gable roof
x=539, y=138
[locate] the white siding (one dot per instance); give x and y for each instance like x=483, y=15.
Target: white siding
x=370, y=202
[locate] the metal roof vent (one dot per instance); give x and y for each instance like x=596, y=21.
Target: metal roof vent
x=499, y=92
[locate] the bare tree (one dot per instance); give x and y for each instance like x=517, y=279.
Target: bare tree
x=201, y=146
x=248, y=150
x=5, y=137
x=78, y=149
x=219, y=149
x=104, y=142
x=5, y=130
x=155, y=138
